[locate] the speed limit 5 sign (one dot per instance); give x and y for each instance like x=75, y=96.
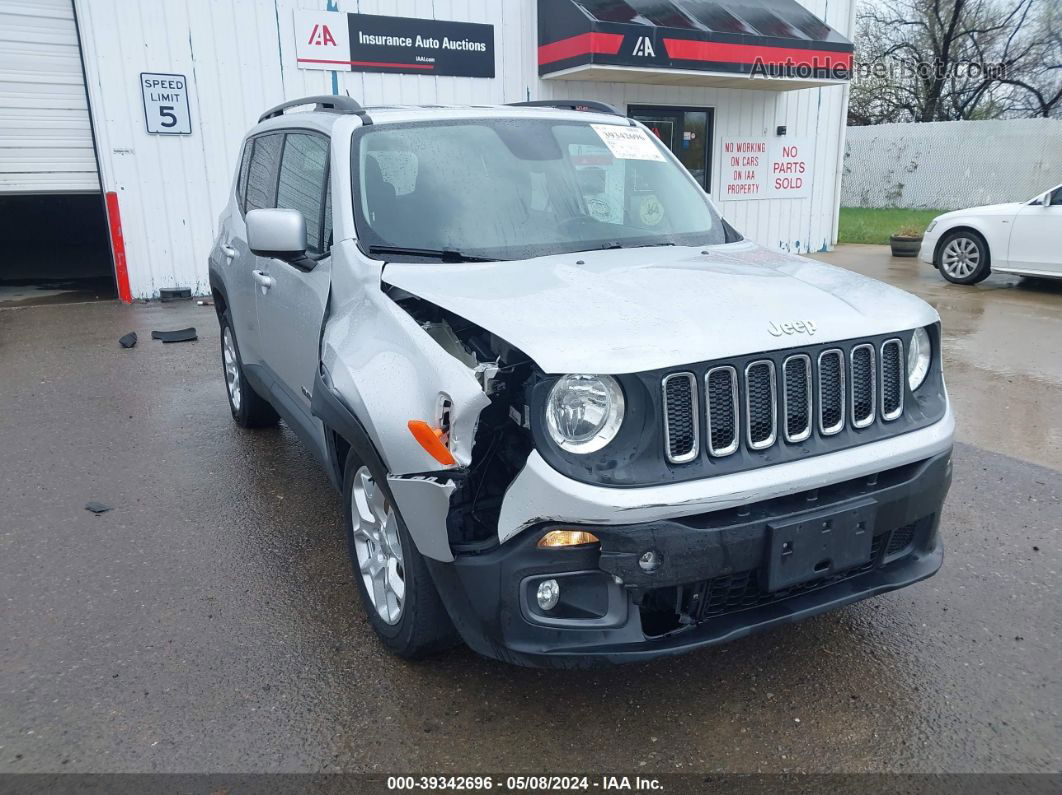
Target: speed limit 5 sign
x=165, y=103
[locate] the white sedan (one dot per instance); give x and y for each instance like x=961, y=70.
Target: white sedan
x=1019, y=237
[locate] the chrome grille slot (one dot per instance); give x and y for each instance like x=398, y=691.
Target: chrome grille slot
x=796, y=397
x=721, y=410
x=892, y=375
x=831, y=392
x=680, y=417
x=778, y=406
x=863, y=385
x=761, y=404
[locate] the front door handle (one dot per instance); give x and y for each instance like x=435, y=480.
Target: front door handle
x=229, y=251
x=265, y=281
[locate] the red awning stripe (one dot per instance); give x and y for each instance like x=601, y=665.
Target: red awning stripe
x=583, y=44
x=721, y=52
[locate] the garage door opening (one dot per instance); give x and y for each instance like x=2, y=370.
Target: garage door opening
x=56, y=250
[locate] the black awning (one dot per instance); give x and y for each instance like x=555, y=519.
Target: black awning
x=690, y=41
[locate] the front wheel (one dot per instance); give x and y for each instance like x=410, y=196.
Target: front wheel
x=964, y=258
x=396, y=589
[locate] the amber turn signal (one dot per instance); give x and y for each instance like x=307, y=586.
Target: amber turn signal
x=431, y=440
x=566, y=538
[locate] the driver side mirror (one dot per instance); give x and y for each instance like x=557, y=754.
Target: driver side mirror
x=281, y=234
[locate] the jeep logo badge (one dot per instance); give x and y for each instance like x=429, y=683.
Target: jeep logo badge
x=795, y=327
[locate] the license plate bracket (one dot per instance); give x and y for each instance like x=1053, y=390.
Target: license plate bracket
x=819, y=544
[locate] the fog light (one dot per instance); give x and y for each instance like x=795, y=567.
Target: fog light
x=548, y=594
x=567, y=538
x=649, y=561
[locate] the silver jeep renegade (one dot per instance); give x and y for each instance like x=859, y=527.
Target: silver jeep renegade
x=575, y=417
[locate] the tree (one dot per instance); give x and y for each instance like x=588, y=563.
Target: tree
x=942, y=60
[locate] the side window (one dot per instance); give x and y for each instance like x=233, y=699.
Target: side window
x=241, y=180
x=262, y=172
x=303, y=179
x=1056, y=197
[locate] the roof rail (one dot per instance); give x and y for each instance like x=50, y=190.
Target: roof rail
x=569, y=104
x=328, y=102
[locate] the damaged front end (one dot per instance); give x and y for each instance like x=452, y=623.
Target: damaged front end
x=467, y=497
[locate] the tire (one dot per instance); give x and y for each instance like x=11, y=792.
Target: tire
x=411, y=624
x=963, y=257
x=249, y=409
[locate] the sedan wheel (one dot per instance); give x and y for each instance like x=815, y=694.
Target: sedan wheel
x=963, y=258
x=378, y=547
x=960, y=257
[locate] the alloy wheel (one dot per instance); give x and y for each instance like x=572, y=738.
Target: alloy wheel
x=378, y=546
x=960, y=257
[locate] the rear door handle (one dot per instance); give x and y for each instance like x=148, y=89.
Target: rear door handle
x=265, y=281
x=229, y=251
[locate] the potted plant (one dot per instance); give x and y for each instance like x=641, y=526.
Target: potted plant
x=906, y=241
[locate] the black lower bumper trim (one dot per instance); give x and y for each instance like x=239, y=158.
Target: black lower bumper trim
x=486, y=594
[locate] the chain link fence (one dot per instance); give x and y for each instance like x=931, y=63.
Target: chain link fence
x=950, y=165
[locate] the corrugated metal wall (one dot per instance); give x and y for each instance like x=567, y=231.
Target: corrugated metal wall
x=45, y=135
x=239, y=58
x=949, y=165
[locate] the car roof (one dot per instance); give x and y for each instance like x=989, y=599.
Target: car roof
x=323, y=120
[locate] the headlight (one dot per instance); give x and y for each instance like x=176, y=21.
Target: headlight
x=919, y=353
x=584, y=412
x=931, y=225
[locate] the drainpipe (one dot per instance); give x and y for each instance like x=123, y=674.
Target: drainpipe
x=842, y=134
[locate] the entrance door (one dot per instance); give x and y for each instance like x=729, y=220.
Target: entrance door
x=685, y=131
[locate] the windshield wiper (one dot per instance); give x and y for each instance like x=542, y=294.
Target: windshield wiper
x=617, y=244
x=445, y=254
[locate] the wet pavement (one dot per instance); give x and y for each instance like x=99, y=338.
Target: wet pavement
x=209, y=621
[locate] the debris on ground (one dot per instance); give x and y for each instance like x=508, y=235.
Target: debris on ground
x=180, y=335
x=96, y=507
x=128, y=341
x=204, y=302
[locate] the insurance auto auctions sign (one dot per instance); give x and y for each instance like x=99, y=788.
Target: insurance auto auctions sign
x=369, y=43
x=761, y=168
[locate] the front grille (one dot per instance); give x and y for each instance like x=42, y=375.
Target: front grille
x=892, y=374
x=721, y=409
x=761, y=404
x=831, y=392
x=796, y=395
x=680, y=417
x=784, y=397
x=863, y=384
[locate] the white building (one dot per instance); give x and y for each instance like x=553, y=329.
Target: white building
x=139, y=108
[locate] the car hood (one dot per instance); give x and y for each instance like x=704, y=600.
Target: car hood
x=1007, y=208
x=630, y=310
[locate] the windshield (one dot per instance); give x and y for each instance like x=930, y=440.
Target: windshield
x=521, y=188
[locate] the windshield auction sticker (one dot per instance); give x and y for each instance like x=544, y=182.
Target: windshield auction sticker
x=628, y=143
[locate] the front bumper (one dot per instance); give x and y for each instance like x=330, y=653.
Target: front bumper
x=928, y=248
x=708, y=587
